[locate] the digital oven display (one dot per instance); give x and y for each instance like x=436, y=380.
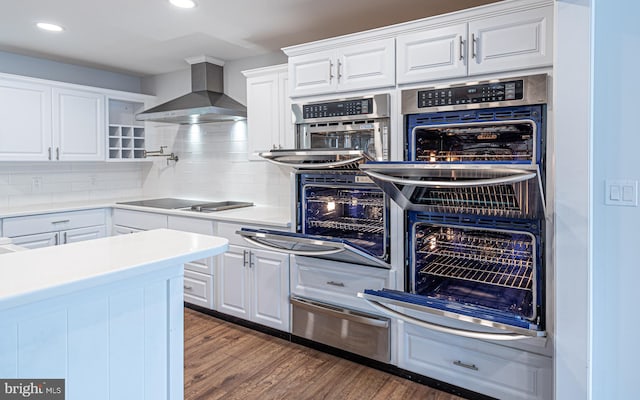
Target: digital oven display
x=338, y=108
x=482, y=93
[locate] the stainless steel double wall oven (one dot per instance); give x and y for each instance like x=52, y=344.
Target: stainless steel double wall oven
x=472, y=187
x=341, y=215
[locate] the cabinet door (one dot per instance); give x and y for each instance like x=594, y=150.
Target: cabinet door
x=25, y=112
x=367, y=66
x=433, y=54
x=38, y=240
x=233, y=282
x=270, y=289
x=313, y=73
x=82, y=234
x=286, y=127
x=511, y=41
x=490, y=369
x=262, y=114
x=78, y=125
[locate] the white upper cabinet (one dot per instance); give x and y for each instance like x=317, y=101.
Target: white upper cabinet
x=270, y=124
x=25, y=112
x=432, y=54
x=366, y=65
x=512, y=41
x=55, y=121
x=78, y=125
x=507, y=42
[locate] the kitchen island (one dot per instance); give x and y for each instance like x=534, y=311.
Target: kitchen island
x=106, y=315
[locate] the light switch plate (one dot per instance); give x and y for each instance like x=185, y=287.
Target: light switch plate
x=621, y=193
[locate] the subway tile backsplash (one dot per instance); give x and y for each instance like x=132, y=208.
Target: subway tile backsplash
x=212, y=165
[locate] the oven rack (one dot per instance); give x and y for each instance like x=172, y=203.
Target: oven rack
x=371, y=199
x=517, y=277
x=452, y=156
x=350, y=224
x=499, y=200
x=502, y=265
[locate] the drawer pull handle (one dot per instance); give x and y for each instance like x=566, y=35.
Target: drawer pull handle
x=188, y=287
x=62, y=221
x=465, y=365
x=332, y=283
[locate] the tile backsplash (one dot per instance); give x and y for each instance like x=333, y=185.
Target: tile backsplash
x=212, y=165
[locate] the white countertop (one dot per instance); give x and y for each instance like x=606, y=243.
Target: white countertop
x=32, y=275
x=257, y=215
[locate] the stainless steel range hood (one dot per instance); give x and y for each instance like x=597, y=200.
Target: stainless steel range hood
x=205, y=103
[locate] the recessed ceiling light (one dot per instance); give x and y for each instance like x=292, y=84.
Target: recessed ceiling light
x=183, y=3
x=49, y=27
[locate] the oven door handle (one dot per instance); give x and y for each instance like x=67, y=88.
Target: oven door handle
x=338, y=312
x=258, y=243
x=332, y=164
x=515, y=178
x=441, y=328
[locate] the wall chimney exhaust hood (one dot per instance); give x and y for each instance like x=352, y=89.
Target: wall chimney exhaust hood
x=206, y=102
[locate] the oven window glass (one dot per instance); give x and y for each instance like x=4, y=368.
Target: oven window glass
x=356, y=215
x=476, y=142
x=344, y=136
x=484, y=268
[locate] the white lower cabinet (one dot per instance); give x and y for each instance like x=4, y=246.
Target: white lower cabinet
x=486, y=368
x=198, y=274
x=254, y=285
x=334, y=282
x=42, y=230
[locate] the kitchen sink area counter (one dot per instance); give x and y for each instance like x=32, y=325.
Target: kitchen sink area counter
x=255, y=214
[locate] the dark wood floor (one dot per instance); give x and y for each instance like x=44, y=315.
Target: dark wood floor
x=227, y=361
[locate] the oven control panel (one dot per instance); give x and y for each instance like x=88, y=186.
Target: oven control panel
x=338, y=108
x=471, y=94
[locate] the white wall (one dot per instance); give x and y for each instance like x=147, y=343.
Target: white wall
x=616, y=140
x=597, y=263
x=213, y=165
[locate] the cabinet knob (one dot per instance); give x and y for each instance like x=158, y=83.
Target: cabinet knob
x=188, y=287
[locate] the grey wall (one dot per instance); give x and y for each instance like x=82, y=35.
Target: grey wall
x=34, y=67
x=615, y=140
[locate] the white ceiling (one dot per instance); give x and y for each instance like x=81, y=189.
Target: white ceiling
x=148, y=37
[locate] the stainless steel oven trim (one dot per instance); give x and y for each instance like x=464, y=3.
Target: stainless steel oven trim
x=383, y=175
x=324, y=247
x=511, y=332
x=535, y=92
x=354, y=157
x=506, y=122
x=381, y=109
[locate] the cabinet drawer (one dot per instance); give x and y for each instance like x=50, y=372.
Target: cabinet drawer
x=333, y=282
x=203, y=266
x=486, y=368
x=139, y=220
x=198, y=289
x=33, y=224
x=194, y=225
